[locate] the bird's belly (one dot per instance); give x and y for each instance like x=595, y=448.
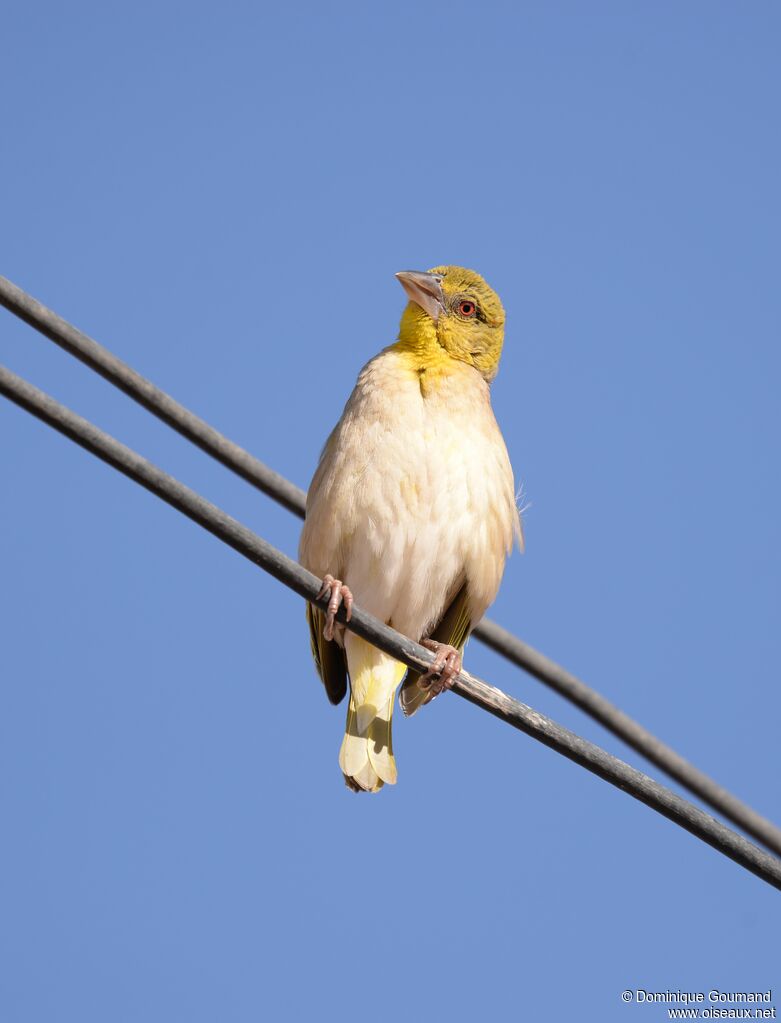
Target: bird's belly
x=421, y=506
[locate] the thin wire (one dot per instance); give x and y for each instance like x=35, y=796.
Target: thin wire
x=293, y=575
x=151, y=397
x=240, y=461
x=631, y=732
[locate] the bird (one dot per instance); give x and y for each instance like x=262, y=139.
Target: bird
x=412, y=511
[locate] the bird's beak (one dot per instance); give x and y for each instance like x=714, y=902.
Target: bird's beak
x=425, y=289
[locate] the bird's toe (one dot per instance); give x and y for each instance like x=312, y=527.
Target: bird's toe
x=338, y=594
x=444, y=668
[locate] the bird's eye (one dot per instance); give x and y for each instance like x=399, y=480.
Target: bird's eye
x=467, y=309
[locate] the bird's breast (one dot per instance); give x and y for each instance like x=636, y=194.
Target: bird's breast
x=416, y=482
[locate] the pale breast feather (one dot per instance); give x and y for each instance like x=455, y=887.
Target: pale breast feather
x=413, y=496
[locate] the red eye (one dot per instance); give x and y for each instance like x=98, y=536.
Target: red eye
x=466, y=308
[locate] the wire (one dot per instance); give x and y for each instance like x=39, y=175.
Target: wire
x=235, y=458
x=151, y=397
x=631, y=732
x=293, y=575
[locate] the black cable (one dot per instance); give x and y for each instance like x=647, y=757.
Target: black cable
x=293, y=575
x=631, y=732
x=151, y=397
x=293, y=498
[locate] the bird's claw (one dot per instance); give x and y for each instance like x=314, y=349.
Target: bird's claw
x=444, y=668
x=339, y=594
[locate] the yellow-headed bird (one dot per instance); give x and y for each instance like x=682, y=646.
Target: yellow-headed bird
x=412, y=511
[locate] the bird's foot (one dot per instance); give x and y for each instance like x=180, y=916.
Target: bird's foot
x=339, y=594
x=446, y=665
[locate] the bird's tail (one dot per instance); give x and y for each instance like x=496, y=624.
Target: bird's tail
x=366, y=757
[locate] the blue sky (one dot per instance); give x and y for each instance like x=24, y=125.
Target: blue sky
x=222, y=196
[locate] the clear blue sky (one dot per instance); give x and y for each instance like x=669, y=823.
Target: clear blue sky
x=222, y=194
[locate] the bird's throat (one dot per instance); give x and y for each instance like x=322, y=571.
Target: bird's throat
x=419, y=344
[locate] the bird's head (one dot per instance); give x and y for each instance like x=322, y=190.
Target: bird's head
x=456, y=310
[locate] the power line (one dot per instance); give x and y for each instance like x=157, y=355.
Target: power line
x=293, y=575
x=240, y=461
x=631, y=732
x=151, y=397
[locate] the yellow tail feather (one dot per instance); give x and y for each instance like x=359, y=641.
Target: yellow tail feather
x=366, y=757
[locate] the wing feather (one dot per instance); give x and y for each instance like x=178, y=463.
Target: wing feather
x=453, y=629
x=328, y=656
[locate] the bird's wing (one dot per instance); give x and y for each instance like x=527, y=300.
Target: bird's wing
x=453, y=629
x=328, y=656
